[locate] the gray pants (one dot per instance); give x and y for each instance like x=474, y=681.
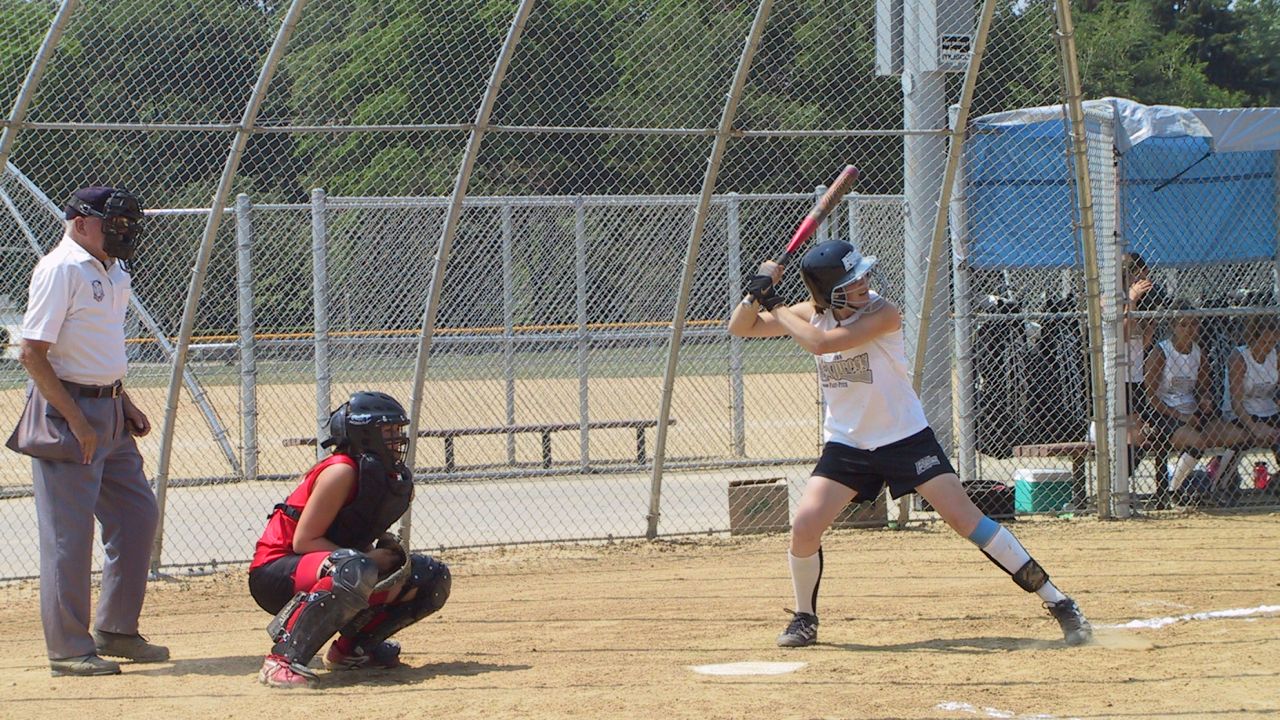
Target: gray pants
x=68, y=497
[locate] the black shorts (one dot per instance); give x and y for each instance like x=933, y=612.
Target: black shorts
x=1138, y=399
x=1160, y=427
x=902, y=465
x=271, y=585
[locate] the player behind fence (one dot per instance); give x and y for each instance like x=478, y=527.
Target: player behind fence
x=874, y=428
x=1179, y=413
x=318, y=565
x=1252, y=377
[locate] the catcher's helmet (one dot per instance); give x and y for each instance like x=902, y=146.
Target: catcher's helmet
x=831, y=266
x=356, y=427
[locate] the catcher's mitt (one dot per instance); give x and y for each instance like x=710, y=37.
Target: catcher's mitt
x=386, y=581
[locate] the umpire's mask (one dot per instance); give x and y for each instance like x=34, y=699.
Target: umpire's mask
x=121, y=215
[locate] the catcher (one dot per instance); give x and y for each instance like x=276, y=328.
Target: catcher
x=326, y=563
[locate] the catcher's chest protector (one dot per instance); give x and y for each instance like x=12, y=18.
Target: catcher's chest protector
x=381, y=499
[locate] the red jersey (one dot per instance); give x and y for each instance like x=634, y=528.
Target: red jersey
x=277, y=540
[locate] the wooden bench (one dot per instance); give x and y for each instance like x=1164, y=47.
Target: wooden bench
x=543, y=429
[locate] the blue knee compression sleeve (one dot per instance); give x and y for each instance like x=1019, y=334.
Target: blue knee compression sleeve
x=982, y=534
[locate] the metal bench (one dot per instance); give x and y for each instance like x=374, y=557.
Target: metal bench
x=543, y=429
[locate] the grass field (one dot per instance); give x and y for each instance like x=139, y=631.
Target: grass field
x=915, y=624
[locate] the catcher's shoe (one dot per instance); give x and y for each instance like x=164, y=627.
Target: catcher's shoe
x=385, y=654
x=1076, y=630
x=801, y=631
x=278, y=672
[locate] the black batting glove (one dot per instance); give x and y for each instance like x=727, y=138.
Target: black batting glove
x=762, y=290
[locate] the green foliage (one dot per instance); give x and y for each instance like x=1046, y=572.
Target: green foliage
x=584, y=63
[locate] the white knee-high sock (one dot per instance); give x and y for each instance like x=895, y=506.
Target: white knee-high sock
x=1186, y=463
x=806, y=574
x=1004, y=549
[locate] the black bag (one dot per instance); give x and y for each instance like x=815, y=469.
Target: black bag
x=993, y=498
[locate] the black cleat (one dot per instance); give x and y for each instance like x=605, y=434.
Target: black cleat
x=802, y=631
x=1076, y=630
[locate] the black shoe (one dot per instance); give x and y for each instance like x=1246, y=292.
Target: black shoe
x=130, y=647
x=1076, y=630
x=83, y=666
x=802, y=631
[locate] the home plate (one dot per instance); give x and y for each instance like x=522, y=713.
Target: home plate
x=748, y=668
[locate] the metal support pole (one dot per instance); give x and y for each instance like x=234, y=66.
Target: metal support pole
x=1084, y=199
x=737, y=388
x=966, y=411
x=691, y=257
x=201, y=264
x=508, y=329
x=320, y=313
x=248, y=364
x=34, y=75
x=955, y=148
x=431, y=306
x=580, y=292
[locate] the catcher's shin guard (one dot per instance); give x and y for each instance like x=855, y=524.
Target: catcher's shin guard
x=302, y=627
x=430, y=578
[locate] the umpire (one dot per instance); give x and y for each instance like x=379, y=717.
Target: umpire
x=78, y=427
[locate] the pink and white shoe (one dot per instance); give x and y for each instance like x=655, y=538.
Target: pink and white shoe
x=385, y=654
x=278, y=672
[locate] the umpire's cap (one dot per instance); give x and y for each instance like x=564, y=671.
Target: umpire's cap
x=88, y=201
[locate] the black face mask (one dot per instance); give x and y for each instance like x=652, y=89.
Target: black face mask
x=121, y=224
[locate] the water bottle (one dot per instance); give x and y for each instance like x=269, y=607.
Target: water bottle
x=1261, y=476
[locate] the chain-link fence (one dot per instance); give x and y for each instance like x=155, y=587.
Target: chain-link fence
x=509, y=210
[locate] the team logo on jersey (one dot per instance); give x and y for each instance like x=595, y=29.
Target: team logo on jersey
x=98, y=294
x=839, y=373
x=926, y=462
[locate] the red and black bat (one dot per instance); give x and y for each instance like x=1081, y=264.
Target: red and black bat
x=832, y=197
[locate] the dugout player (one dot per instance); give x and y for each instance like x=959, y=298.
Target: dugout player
x=874, y=428
x=325, y=548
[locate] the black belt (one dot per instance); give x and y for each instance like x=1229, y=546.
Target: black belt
x=99, y=391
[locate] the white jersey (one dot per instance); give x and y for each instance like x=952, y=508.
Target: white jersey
x=1137, y=356
x=1177, y=387
x=868, y=401
x=1260, y=380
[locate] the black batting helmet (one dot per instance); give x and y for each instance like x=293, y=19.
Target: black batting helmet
x=356, y=427
x=828, y=267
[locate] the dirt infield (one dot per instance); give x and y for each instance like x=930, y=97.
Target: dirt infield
x=915, y=624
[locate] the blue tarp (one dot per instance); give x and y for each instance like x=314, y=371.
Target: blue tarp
x=1184, y=199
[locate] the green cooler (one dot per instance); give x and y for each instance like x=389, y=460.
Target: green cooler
x=1037, y=490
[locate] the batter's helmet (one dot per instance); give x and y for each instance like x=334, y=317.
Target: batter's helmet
x=830, y=266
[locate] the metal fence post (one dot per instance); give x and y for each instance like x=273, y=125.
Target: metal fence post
x=583, y=338
x=320, y=311
x=201, y=265
x=431, y=305
x=1089, y=248
x=691, y=258
x=736, y=382
x=248, y=365
x=955, y=148
x=508, y=330
x=966, y=410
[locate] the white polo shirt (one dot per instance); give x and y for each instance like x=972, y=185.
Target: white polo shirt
x=79, y=306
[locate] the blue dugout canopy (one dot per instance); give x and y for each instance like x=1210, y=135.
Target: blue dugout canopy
x=1189, y=186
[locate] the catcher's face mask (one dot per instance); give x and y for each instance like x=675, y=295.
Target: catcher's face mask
x=121, y=223
x=395, y=439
